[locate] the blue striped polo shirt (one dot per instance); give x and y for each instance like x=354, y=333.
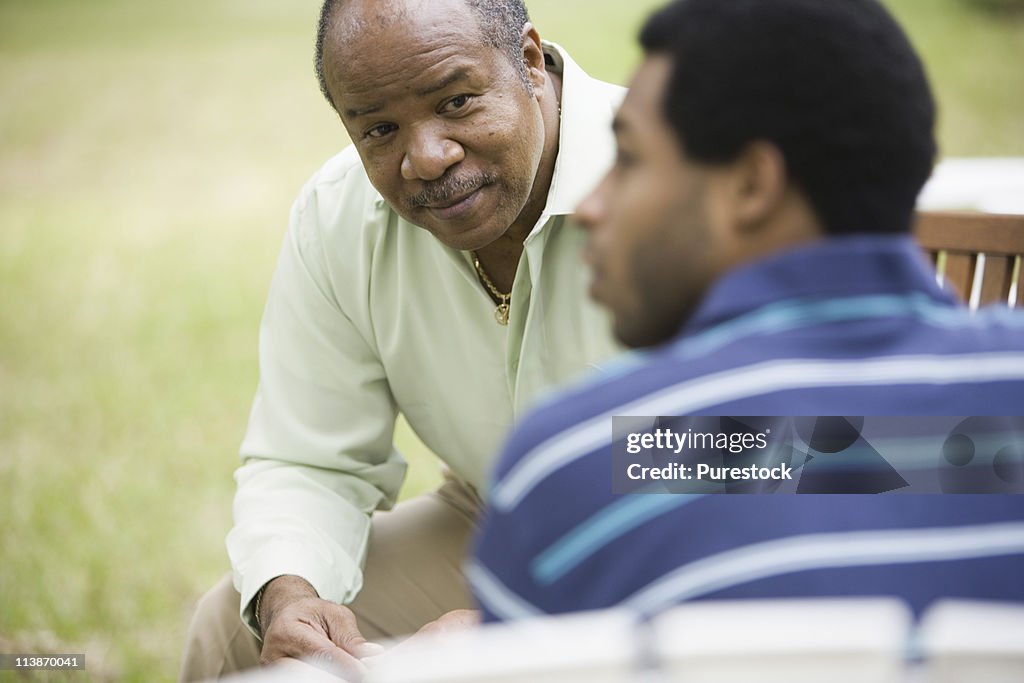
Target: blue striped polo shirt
x=844, y=326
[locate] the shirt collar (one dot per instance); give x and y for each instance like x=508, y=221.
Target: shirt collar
x=835, y=267
x=586, y=146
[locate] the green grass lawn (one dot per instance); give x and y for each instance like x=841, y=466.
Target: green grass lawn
x=149, y=153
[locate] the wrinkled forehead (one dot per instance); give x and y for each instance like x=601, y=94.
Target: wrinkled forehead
x=353, y=17
x=380, y=48
x=356, y=25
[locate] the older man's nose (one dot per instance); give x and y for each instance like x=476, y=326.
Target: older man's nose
x=429, y=156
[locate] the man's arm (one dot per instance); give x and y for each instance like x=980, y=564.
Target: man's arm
x=297, y=624
x=318, y=451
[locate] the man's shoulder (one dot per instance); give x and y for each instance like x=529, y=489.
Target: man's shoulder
x=340, y=176
x=338, y=206
x=1003, y=325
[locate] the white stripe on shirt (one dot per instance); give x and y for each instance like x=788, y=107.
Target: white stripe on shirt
x=822, y=551
x=693, y=395
x=496, y=596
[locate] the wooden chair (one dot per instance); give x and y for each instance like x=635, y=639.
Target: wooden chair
x=978, y=255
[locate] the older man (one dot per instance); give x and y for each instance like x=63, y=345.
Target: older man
x=426, y=270
x=754, y=231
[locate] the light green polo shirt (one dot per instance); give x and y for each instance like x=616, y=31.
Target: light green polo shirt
x=368, y=316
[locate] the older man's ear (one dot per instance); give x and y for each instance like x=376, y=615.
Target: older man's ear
x=533, y=59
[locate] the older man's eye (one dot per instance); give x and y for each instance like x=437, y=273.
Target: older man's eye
x=381, y=130
x=456, y=103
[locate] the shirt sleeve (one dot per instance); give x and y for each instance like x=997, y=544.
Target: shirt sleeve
x=317, y=456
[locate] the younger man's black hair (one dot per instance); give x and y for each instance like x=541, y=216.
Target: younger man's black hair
x=835, y=84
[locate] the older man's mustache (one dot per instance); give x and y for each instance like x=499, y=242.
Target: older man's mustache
x=450, y=188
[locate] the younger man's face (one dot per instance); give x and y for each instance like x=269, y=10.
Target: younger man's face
x=650, y=243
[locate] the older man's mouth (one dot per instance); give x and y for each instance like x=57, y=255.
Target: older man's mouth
x=456, y=208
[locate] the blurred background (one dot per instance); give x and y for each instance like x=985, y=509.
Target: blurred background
x=149, y=153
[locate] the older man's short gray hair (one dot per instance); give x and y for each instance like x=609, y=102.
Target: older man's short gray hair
x=501, y=26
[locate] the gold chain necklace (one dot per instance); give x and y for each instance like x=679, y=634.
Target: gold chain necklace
x=501, y=312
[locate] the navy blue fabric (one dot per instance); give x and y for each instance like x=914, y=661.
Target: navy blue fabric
x=562, y=541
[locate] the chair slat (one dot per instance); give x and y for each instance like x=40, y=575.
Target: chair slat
x=1017, y=283
x=961, y=237
x=995, y=285
x=960, y=273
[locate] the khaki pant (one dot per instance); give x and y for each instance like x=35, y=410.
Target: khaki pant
x=413, y=575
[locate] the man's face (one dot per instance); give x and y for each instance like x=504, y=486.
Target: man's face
x=650, y=245
x=446, y=127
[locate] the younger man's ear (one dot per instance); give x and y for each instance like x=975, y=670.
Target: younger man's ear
x=758, y=184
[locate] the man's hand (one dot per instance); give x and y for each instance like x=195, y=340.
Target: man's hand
x=456, y=620
x=296, y=623
x=449, y=622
